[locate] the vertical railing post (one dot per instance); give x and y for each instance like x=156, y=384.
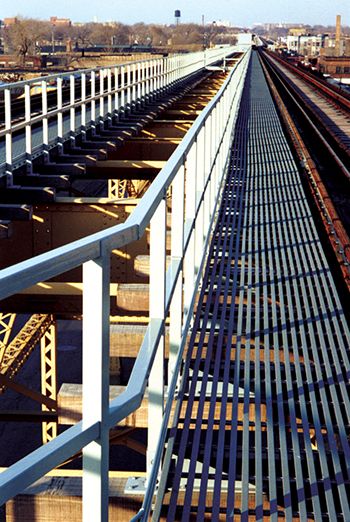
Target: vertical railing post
x=207, y=176
x=109, y=99
x=122, y=85
x=147, y=80
x=133, y=101
x=151, y=80
x=139, y=86
x=191, y=197
x=72, y=110
x=45, y=123
x=128, y=89
x=8, y=139
x=102, y=100
x=116, y=96
x=29, y=164
x=199, y=234
x=159, y=78
x=156, y=311
x=143, y=86
x=60, y=115
x=83, y=107
x=96, y=314
x=177, y=251
x=214, y=172
x=93, y=103
x=161, y=73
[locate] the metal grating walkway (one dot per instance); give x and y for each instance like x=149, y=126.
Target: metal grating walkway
x=263, y=428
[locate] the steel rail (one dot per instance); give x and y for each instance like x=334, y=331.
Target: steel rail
x=332, y=91
x=333, y=225
x=317, y=132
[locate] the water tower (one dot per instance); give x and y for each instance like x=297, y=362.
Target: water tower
x=177, y=17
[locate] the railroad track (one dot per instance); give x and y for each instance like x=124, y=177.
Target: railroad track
x=318, y=124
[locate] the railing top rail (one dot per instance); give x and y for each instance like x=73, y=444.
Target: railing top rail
x=79, y=72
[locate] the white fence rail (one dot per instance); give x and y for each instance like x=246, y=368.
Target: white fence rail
x=72, y=103
x=194, y=174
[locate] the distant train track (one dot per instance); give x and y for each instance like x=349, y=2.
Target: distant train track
x=317, y=118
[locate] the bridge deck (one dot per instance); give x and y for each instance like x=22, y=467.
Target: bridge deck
x=264, y=412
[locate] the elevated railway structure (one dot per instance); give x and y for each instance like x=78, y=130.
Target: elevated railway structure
x=215, y=280
x=318, y=124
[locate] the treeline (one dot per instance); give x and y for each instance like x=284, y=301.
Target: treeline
x=28, y=36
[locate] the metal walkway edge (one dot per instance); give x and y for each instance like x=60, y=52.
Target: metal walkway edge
x=262, y=431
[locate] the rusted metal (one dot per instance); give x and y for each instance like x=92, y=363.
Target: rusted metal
x=335, y=230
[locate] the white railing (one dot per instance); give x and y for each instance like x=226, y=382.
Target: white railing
x=194, y=174
x=73, y=102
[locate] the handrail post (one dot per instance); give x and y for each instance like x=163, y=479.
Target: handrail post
x=96, y=313
x=8, y=138
x=72, y=110
x=189, y=261
x=29, y=163
x=157, y=311
x=83, y=107
x=177, y=252
x=60, y=116
x=109, y=98
x=93, y=103
x=45, y=122
x=102, y=100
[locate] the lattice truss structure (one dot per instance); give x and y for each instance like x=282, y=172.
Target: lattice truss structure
x=39, y=328
x=127, y=188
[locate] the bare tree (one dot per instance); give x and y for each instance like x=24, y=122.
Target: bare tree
x=121, y=34
x=158, y=35
x=22, y=37
x=83, y=33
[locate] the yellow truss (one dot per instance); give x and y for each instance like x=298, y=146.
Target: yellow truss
x=18, y=350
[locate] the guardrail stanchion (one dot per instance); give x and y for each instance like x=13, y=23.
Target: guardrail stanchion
x=157, y=311
x=189, y=261
x=93, y=103
x=177, y=253
x=29, y=164
x=96, y=314
x=60, y=116
x=72, y=110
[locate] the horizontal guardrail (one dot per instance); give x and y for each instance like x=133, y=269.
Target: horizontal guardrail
x=71, y=103
x=194, y=177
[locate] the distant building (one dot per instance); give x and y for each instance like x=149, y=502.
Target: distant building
x=9, y=61
x=282, y=25
x=220, y=23
x=336, y=67
x=65, y=22
x=60, y=22
x=304, y=45
x=9, y=21
x=332, y=48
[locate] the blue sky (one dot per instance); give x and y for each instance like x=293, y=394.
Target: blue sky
x=238, y=12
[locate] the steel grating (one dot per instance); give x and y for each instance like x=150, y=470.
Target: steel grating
x=263, y=426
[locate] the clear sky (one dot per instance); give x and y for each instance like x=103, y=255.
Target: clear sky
x=238, y=12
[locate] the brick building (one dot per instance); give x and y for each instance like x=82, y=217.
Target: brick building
x=337, y=67
x=9, y=61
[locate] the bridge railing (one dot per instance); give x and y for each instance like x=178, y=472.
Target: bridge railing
x=194, y=176
x=71, y=103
